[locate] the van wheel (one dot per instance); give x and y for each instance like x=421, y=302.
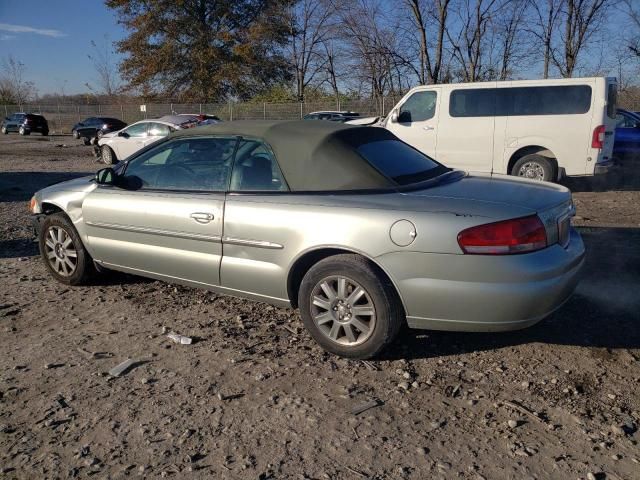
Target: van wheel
x=349, y=308
x=534, y=167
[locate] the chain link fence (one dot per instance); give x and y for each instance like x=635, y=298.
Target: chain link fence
x=62, y=117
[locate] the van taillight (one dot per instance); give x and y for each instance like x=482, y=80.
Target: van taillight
x=519, y=235
x=597, y=141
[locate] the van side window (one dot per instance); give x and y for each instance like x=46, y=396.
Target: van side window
x=520, y=101
x=419, y=107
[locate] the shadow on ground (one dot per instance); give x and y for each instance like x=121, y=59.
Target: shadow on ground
x=625, y=176
x=20, y=186
x=603, y=313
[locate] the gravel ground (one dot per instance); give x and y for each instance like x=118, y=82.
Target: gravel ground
x=255, y=398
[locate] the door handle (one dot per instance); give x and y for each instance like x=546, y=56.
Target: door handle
x=202, y=217
x=427, y=127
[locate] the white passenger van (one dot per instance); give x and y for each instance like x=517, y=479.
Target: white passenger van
x=539, y=129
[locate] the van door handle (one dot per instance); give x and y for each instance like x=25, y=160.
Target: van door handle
x=427, y=127
x=202, y=217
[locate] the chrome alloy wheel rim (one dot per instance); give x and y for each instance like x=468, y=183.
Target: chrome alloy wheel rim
x=343, y=310
x=61, y=252
x=532, y=170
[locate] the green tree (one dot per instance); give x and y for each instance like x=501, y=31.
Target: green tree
x=203, y=50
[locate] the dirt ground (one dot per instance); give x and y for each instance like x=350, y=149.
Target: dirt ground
x=255, y=398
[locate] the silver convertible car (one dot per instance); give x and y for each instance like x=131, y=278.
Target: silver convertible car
x=355, y=228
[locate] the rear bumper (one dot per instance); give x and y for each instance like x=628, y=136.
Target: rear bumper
x=479, y=293
x=603, y=167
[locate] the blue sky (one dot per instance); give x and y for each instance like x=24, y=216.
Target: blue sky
x=53, y=38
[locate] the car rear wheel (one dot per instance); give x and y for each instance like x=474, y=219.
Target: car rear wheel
x=349, y=307
x=107, y=155
x=534, y=167
x=63, y=252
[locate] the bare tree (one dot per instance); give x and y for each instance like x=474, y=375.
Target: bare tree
x=106, y=67
x=545, y=22
x=470, y=43
x=581, y=18
x=430, y=62
x=632, y=9
x=14, y=87
x=309, y=23
x=510, y=35
x=332, y=74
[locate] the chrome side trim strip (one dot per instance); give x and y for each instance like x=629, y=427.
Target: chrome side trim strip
x=252, y=243
x=153, y=231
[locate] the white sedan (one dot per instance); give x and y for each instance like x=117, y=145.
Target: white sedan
x=120, y=145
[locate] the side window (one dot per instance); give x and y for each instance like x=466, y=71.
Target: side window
x=418, y=107
x=137, y=130
x=624, y=121
x=192, y=164
x=473, y=102
x=256, y=169
x=158, y=130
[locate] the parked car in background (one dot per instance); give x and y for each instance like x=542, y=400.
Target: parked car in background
x=334, y=116
x=538, y=129
x=354, y=227
x=627, y=139
x=202, y=118
x=115, y=146
x=25, y=124
x=96, y=127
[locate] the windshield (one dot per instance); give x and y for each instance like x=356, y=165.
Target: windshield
x=400, y=162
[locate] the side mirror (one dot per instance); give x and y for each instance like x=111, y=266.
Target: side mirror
x=105, y=176
x=123, y=134
x=394, y=117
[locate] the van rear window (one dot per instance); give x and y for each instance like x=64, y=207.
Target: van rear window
x=520, y=101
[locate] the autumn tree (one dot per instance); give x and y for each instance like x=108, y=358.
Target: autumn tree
x=203, y=50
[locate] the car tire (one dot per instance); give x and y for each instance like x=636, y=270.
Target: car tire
x=22, y=131
x=63, y=252
x=534, y=167
x=86, y=141
x=107, y=155
x=45, y=133
x=5, y=131
x=99, y=134
x=349, y=307
x=75, y=134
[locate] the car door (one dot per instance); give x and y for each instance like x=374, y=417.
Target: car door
x=253, y=245
x=130, y=140
x=466, y=128
x=627, y=136
x=165, y=218
x=416, y=121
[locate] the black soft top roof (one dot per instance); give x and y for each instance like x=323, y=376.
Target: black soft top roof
x=313, y=156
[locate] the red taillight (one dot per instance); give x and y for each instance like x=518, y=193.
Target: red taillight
x=519, y=235
x=597, y=141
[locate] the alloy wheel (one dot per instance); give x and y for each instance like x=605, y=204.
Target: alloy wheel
x=343, y=310
x=532, y=170
x=61, y=252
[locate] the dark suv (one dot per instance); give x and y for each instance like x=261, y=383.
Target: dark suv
x=96, y=126
x=25, y=123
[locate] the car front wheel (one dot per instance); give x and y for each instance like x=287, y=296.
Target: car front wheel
x=75, y=134
x=22, y=131
x=349, y=307
x=107, y=155
x=63, y=252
